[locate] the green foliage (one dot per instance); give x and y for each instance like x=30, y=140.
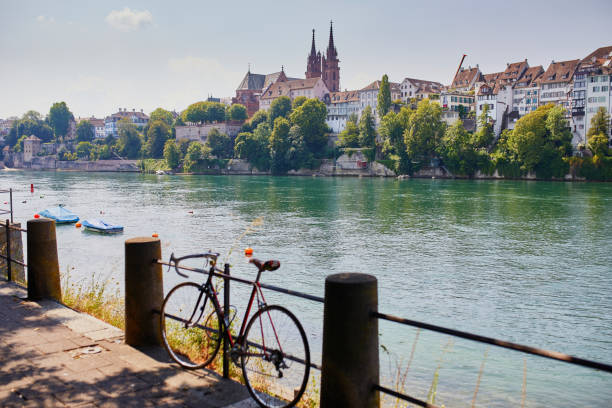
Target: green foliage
x=259, y=117
x=163, y=115
x=84, y=150
x=392, y=128
x=598, y=144
x=85, y=131
x=220, y=144
x=204, y=112
x=310, y=117
x=459, y=153
x=349, y=137
x=59, y=119
x=31, y=123
x=600, y=123
x=157, y=135
x=425, y=129
x=384, y=97
x=592, y=168
x=130, y=141
x=197, y=155
x=237, y=112
x=298, y=101
x=171, y=154
x=253, y=147
x=65, y=155
x=279, y=146
x=367, y=128
x=104, y=153
x=484, y=135
x=279, y=108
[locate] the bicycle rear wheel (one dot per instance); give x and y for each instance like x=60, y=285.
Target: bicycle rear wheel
x=190, y=326
x=276, y=358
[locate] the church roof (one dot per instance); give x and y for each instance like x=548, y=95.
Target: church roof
x=252, y=81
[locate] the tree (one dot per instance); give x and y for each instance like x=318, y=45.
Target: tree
x=196, y=113
x=349, y=137
x=59, y=119
x=392, y=128
x=220, y=144
x=600, y=123
x=254, y=147
x=163, y=115
x=424, y=131
x=84, y=150
x=457, y=151
x=130, y=141
x=259, y=117
x=559, y=130
x=196, y=153
x=238, y=112
x=598, y=144
x=384, y=96
x=157, y=135
x=29, y=125
x=171, y=154
x=298, y=101
x=216, y=112
x=280, y=107
x=310, y=117
x=279, y=146
x=85, y=131
x=367, y=128
x=104, y=152
x=484, y=134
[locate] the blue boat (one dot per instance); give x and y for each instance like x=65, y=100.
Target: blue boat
x=60, y=215
x=101, y=226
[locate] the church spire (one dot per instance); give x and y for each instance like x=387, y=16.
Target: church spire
x=331, y=35
x=313, y=49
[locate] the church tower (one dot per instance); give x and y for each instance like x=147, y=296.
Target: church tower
x=313, y=66
x=330, y=69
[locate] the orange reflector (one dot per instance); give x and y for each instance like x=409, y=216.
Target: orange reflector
x=78, y=225
x=155, y=235
x=248, y=251
x=36, y=216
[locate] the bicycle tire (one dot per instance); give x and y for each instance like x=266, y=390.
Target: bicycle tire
x=259, y=371
x=191, y=347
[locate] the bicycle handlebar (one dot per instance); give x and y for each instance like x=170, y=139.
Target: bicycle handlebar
x=207, y=255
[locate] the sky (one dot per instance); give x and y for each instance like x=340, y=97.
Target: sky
x=100, y=56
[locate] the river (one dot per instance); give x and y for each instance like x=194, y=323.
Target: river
x=528, y=262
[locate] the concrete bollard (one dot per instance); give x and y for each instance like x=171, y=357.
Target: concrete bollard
x=144, y=291
x=350, y=366
x=43, y=267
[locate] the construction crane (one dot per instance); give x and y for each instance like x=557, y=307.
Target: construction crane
x=459, y=67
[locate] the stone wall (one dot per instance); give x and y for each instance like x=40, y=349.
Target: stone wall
x=200, y=132
x=17, y=271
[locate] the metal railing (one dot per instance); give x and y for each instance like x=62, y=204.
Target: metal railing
x=10, y=201
x=8, y=257
x=227, y=278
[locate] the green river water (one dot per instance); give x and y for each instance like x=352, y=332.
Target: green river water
x=528, y=262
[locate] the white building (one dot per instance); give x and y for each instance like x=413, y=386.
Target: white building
x=525, y=94
x=368, y=96
x=418, y=88
x=199, y=132
x=556, y=83
x=310, y=88
x=98, y=125
x=340, y=105
x=452, y=100
x=31, y=147
x=140, y=119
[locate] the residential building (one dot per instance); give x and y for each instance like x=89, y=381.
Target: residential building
x=525, y=94
x=368, y=96
x=556, y=83
x=310, y=88
x=465, y=79
x=340, y=105
x=140, y=119
x=452, y=100
x=411, y=88
x=98, y=125
x=31, y=147
x=326, y=66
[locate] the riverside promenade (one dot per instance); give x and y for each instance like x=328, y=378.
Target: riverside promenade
x=53, y=356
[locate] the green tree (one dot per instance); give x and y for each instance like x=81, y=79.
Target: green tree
x=559, y=131
x=349, y=137
x=220, y=144
x=196, y=154
x=310, y=117
x=391, y=129
x=384, y=97
x=59, y=119
x=279, y=146
x=30, y=124
x=254, y=147
x=600, y=123
x=259, y=117
x=598, y=144
x=161, y=114
x=238, y=112
x=104, y=152
x=84, y=150
x=484, y=134
x=279, y=108
x=298, y=101
x=424, y=132
x=457, y=151
x=171, y=154
x=157, y=135
x=130, y=141
x=85, y=131
x=204, y=112
x=367, y=128
x=216, y=112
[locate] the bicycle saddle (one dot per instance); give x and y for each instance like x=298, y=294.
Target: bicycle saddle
x=270, y=265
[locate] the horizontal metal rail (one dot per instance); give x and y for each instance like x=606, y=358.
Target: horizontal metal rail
x=13, y=260
x=500, y=343
x=13, y=228
x=408, y=398
x=248, y=282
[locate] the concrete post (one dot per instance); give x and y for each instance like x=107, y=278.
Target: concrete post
x=43, y=266
x=350, y=366
x=144, y=291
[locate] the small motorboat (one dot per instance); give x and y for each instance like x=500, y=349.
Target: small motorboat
x=60, y=215
x=101, y=226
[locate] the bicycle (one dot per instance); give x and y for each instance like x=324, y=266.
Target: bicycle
x=271, y=349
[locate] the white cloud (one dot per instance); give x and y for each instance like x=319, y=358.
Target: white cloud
x=129, y=20
x=44, y=19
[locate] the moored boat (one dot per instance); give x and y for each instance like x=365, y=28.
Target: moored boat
x=101, y=226
x=60, y=215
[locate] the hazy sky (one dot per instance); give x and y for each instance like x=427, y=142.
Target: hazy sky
x=99, y=56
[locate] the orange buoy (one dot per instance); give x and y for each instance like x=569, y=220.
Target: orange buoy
x=36, y=216
x=78, y=225
x=155, y=235
x=248, y=251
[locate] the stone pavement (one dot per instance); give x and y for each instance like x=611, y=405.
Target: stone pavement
x=52, y=356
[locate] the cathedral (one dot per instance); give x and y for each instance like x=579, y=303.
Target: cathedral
x=325, y=66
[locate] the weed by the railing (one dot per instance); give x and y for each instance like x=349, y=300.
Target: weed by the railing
x=98, y=297
x=312, y=394
x=484, y=359
x=431, y=395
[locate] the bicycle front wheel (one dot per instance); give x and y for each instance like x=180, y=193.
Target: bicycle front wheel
x=275, y=358
x=190, y=326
